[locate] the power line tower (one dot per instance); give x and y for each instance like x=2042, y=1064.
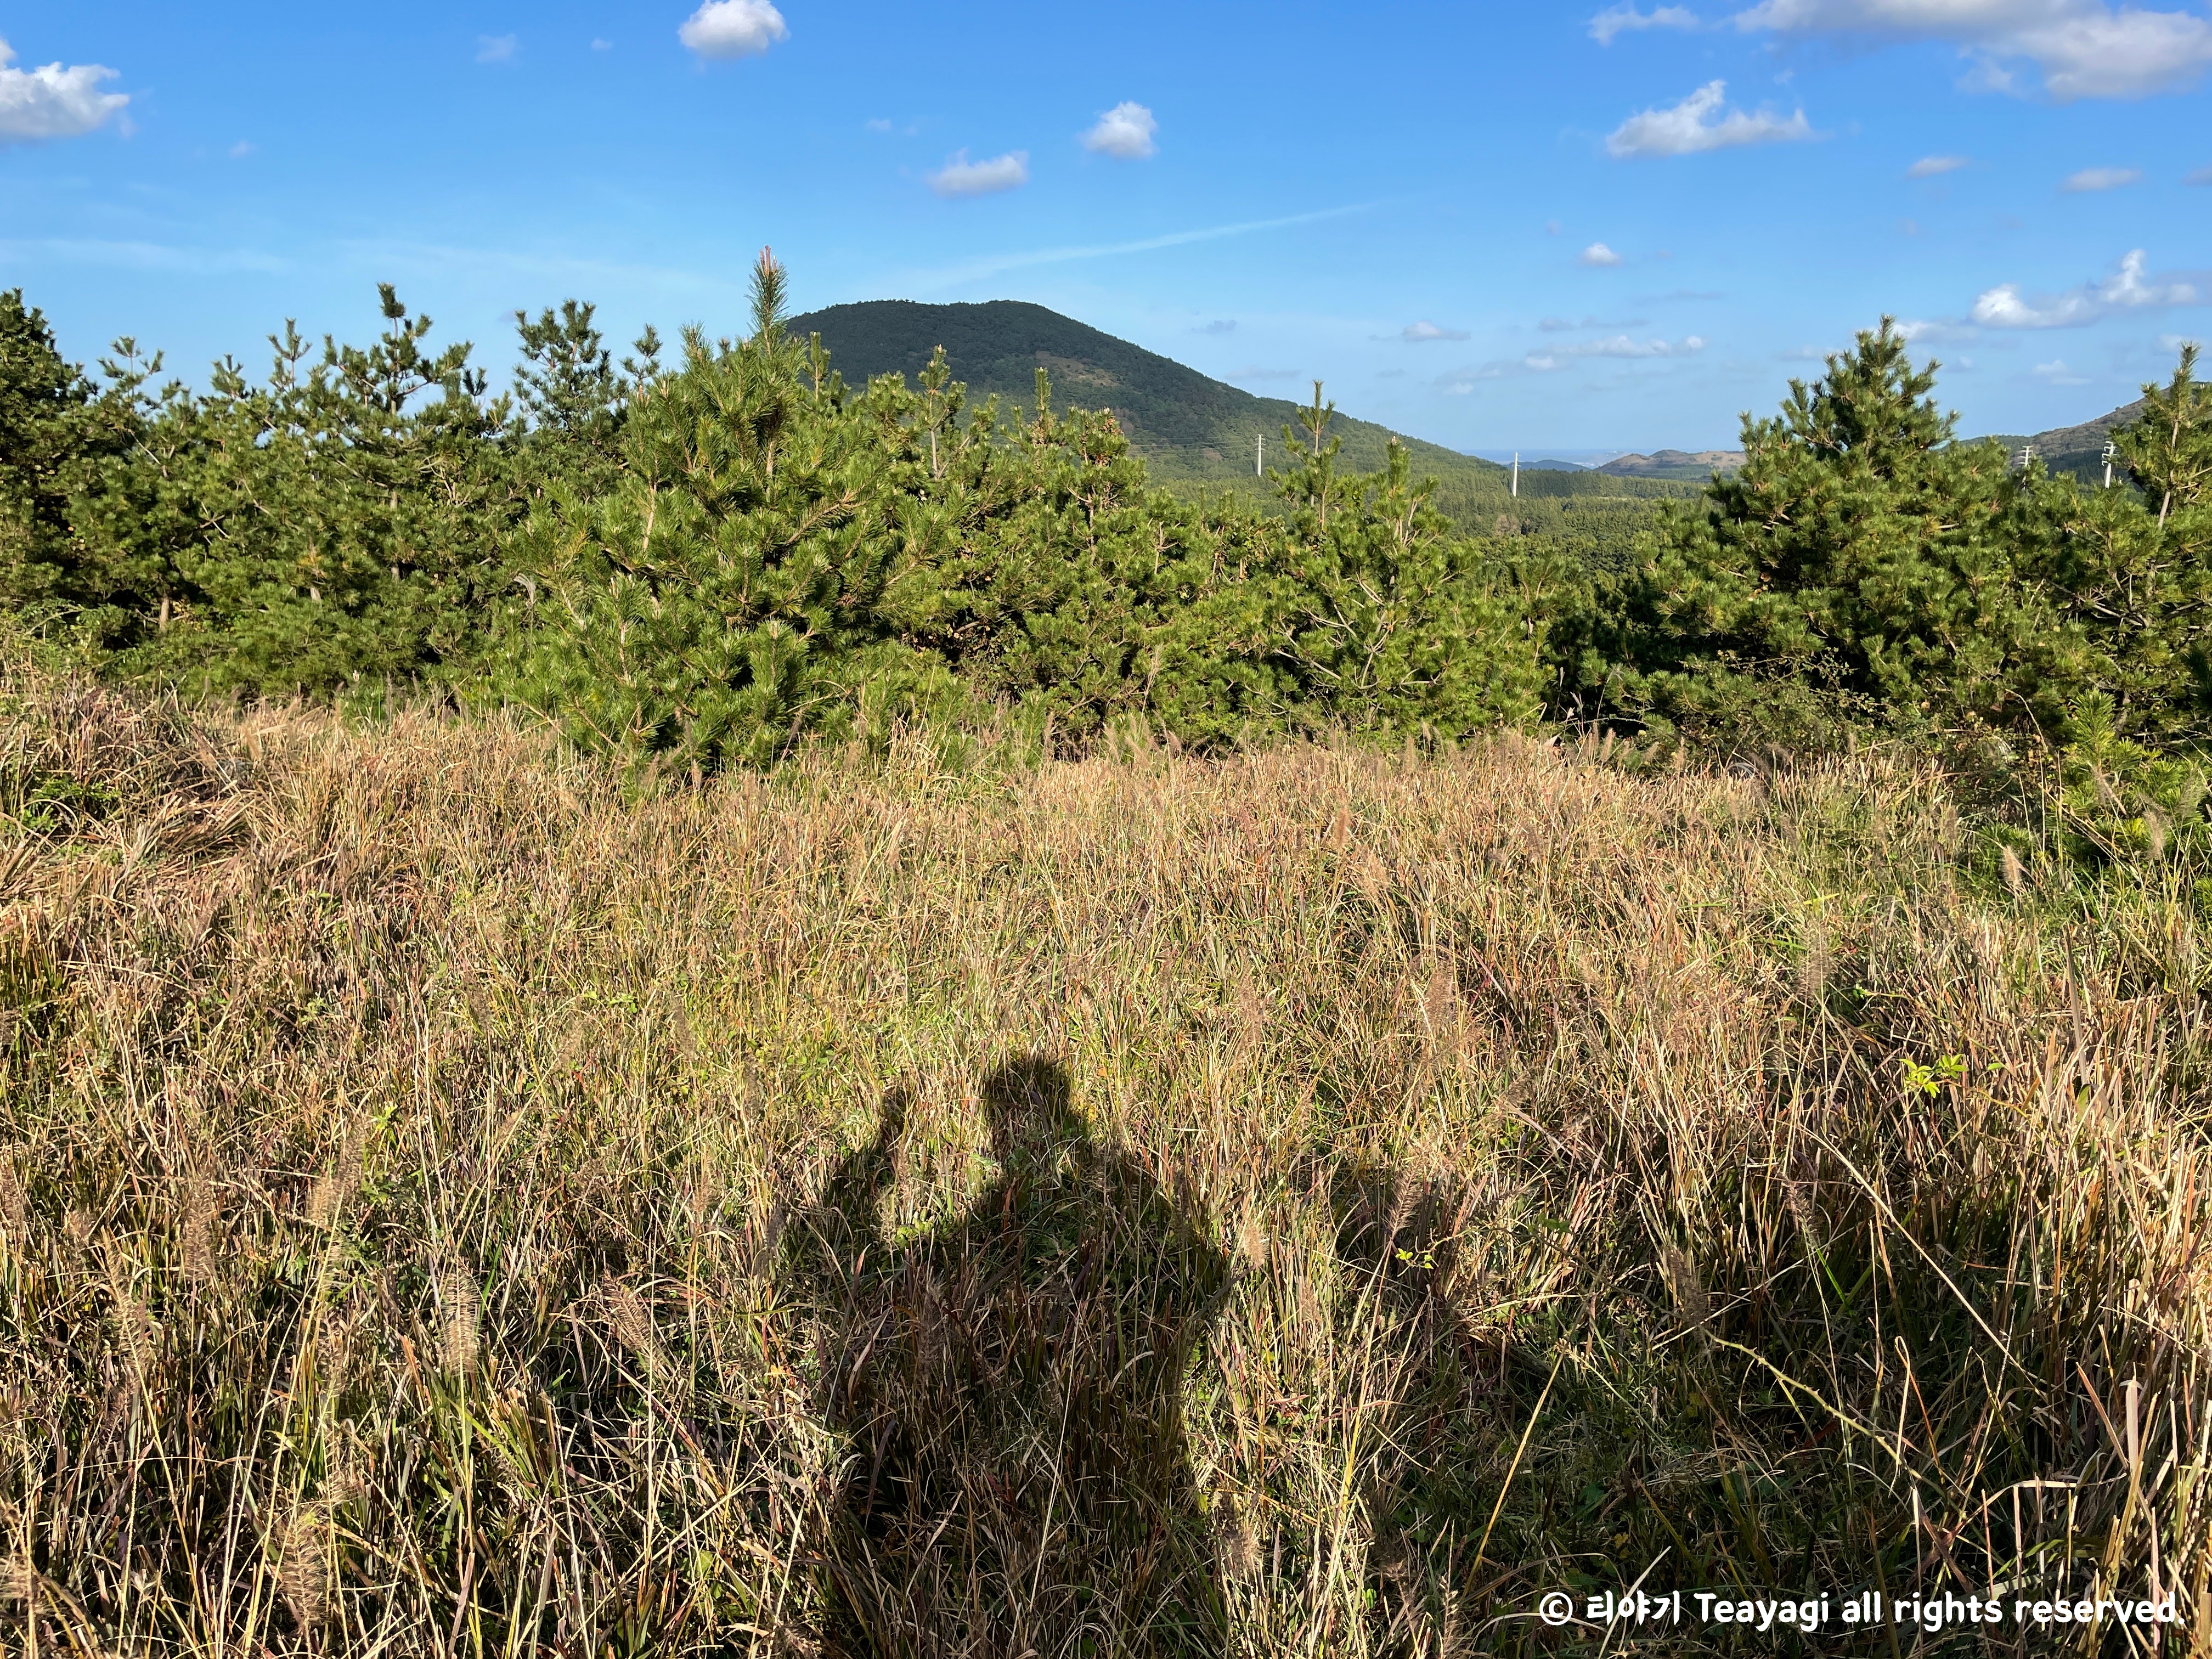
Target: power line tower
x=1260, y=457
x=1516, y=475
x=2111, y=450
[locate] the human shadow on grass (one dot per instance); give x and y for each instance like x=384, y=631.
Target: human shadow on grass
x=1006, y=1390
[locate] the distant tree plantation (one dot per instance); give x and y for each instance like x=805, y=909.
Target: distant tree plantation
x=708, y=558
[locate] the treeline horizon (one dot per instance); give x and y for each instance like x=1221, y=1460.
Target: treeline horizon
x=702, y=559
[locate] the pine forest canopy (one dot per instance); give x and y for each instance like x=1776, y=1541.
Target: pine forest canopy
x=701, y=560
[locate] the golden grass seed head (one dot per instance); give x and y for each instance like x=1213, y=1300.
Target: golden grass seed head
x=2008, y=865
x=1817, y=963
x=303, y=1570
x=1252, y=1246
x=1687, y=1283
x=336, y=1188
x=631, y=1322
x=1799, y=1194
x=1244, y=1552
x=199, y=1220
x=460, y=1307
x=14, y=1203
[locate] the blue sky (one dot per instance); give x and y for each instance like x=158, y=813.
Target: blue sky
x=1554, y=229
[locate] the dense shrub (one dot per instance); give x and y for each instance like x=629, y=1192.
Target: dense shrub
x=1867, y=572
x=702, y=564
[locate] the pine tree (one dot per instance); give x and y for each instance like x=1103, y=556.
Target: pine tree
x=58, y=430
x=1862, y=567
x=1385, y=620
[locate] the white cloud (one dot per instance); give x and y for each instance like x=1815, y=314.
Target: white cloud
x=2094, y=179
x=2058, y=374
x=961, y=177
x=1697, y=123
x=1417, y=333
x=734, y=29
x=497, y=48
x=2125, y=290
x=602, y=45
x=2084, y=48
x=2175, y=341
x=1621, y=346
x=1551, y=358
x=1929, y=167
x=1220, y=325
x=242, y=149
x=1125, y=131
x=1261, y=375
x=1920, y=332
x=1615, y=20
x=53, y=102
x=1597, y=253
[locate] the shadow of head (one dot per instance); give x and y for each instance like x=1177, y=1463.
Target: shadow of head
x=1030, y=1105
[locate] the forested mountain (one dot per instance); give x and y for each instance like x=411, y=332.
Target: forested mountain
x=1190, y=428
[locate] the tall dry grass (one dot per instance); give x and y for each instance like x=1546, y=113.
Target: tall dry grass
x=1306, y=1203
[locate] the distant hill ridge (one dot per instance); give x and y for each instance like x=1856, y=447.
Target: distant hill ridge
x=1675, y=464
x=1190, y=428
x=2078, y=451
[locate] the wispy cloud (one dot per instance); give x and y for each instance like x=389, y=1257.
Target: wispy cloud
x=396, y=258
x=2080, y=48
x=2202, y=176
x=1261, y=375
x=1625, y=19
x=1561, y=326
x=961, y=177
x=1926, y=331
x=53, y=102
x=2058, y=374
x=993, y=264
x=1701, y=122
x=2096, y=179
x=1460, y=381
x=1620, y=345
x=1930, y=167
x=1597, y=253
x=2126, y=290
x=497, y=48
x=1218, y=326
x=1127, y=132
x=142, y=256
x=734, y=29
x=1419, y=333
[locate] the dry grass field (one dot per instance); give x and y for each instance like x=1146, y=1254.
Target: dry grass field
x=1308, y=1203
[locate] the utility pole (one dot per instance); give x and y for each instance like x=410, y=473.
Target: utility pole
x=2111, y=450
x=1260, y=457
x=1516, y=475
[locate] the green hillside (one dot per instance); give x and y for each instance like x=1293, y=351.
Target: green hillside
x=2074, y=450
x=1191, y=430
